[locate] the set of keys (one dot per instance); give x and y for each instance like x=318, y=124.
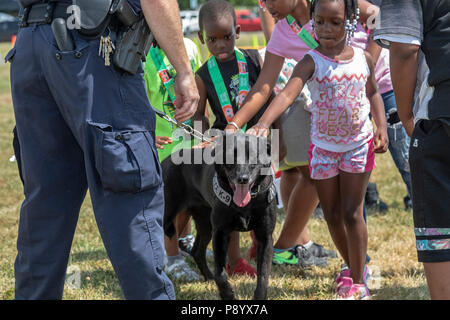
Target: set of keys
x=106, y=48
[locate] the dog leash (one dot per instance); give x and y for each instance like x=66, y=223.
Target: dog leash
x=187, y=128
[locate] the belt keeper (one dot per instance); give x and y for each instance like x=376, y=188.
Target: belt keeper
x=23, y=20
x=49, y=14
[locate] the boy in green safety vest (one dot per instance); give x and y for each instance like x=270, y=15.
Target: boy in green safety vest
x=159, y=79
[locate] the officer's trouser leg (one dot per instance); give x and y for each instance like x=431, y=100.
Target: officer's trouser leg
x=54, y=185
x=101, y=130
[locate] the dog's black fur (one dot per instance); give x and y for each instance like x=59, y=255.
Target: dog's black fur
x=190, y=187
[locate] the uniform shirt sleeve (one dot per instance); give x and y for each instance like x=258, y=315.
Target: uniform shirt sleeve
x=399, y=21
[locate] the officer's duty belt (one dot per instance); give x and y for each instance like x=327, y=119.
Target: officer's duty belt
x=43, y=13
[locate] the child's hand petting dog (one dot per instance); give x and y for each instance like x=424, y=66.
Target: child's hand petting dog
x=161, y=141
x=259, y=130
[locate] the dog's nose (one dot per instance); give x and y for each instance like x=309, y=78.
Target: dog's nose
x=244, y=179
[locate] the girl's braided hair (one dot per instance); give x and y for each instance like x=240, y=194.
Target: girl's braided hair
x=351, y=7
x=351, y=15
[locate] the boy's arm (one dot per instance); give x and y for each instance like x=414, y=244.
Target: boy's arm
x=404, y=67
x=200, y=114
x=267, y=23
x=260, y=92
x=301, y=74
x=376, y=109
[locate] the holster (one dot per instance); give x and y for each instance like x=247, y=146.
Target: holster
x=132, y=47
x=133, y=36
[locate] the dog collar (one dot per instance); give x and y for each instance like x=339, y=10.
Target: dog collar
x=266, y=187
x=220, y=193
x=226, y=198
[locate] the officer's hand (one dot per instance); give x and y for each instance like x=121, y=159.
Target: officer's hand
x=187, y=96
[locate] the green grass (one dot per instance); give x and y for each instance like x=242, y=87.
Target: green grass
x=391, y=241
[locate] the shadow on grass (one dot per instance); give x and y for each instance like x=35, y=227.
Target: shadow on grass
x=401, y=293
x=102, y=281
x=94, y=255
x=244, y=290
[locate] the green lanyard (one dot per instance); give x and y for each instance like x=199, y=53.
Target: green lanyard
x=220, y=88
x=167, y=81
x=302, y=33
x=163, y=72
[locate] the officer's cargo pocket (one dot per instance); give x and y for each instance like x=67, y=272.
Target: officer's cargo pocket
x=126, y=160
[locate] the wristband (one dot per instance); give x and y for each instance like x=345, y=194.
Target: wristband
x=234, y=125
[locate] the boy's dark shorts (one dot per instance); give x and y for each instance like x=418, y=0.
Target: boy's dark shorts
x=430, y=176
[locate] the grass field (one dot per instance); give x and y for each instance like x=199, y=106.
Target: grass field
x=391, y=241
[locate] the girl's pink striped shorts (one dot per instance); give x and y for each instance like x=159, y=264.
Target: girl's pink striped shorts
x=324, y=164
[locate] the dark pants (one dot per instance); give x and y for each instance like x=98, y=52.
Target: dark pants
x=83, y=126
x=430, y=172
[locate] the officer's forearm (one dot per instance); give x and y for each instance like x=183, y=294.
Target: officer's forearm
x=163, y=18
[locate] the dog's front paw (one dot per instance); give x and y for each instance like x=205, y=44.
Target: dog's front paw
x=209, y=277
x=226, y=292
x=260, y=296
x=227, y=295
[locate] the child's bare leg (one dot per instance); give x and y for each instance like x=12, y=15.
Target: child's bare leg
x=183, y=224
x=171, y=244
x=352, y=190
x=329, y=194
x=234, y=252
x=300, y=198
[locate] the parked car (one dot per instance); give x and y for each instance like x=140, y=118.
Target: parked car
x=9, y=6
x=190, y=21
x=9, y=26
x=248, y=20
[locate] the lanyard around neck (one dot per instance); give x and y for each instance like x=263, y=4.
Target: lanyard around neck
x=302, y=33
x=221, y=90
x=163, y=72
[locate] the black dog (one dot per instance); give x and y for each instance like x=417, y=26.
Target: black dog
x=228, y=195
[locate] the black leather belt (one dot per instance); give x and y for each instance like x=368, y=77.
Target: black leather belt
x=43, y=13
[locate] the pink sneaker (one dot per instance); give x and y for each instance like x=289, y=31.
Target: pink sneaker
x=354, y=292
x=345, y=272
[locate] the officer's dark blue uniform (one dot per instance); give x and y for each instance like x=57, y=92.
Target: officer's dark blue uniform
x=83, y=125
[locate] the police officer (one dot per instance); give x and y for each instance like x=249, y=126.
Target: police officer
x=85, y=125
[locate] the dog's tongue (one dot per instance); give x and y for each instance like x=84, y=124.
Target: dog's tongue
x=242, y=195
